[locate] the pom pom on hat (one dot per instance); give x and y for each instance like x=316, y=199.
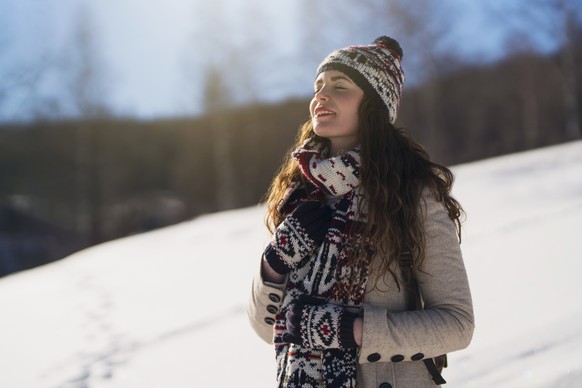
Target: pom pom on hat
x=390, y=44
x=376, y=68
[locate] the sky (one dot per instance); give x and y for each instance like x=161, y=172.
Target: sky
x=167, y=308
x=153, y=57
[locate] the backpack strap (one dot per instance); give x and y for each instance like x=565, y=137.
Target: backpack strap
x=433, y=365
x=437, y=377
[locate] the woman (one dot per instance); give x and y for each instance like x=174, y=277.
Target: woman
x=364, y=221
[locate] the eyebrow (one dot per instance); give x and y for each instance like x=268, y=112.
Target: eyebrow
x=335, y=78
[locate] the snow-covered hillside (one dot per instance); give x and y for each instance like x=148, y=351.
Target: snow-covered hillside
x=166, y=308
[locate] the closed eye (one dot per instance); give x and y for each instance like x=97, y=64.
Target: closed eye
x=336, y=87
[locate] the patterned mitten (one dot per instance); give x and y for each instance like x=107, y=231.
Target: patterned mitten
x=298, y=235
x=314, y=324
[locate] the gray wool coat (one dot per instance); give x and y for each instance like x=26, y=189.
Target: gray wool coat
x=393, y=336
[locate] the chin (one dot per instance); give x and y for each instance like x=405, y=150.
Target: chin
x=323, y=132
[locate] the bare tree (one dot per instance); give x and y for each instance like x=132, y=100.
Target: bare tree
x=568, y=70
x=217, y=100
x=420, y=29
x=84, y=77
x=228, y=76
x=86, y=70
x=19, y=89
x=554, y=20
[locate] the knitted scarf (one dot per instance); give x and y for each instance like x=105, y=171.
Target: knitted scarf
x=329, y=274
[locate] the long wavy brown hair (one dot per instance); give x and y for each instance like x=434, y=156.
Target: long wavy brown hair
x=394, y=172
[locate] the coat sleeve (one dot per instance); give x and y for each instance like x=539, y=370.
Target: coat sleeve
x=446, y=324
x=263, y=306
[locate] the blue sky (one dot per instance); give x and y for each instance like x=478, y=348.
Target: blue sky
x=152, y=56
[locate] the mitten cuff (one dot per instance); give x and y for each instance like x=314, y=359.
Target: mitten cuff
x=320, y=326
x=275, y=262
x=314, y=219
x=346, y=330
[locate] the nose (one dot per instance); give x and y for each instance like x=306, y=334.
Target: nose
x=321, y=95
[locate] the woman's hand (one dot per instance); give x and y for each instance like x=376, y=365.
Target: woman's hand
x=315, y=324
x=298, y=236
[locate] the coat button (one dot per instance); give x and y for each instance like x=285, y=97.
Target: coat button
x=269, y=321
x=374, y=357
x=272, y=309
x=385, y=385
x=397, y=358
x=275, y=298
x=417, y=357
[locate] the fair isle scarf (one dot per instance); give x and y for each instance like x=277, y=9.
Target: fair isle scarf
x=329, y=274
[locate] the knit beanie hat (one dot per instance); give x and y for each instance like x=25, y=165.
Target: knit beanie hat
x=375, y=68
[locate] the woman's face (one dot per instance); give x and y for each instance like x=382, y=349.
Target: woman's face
x=334, y=110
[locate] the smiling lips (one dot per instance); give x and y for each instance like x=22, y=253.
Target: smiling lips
x=322, y=112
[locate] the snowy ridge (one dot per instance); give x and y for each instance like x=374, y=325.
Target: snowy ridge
x=166, y=308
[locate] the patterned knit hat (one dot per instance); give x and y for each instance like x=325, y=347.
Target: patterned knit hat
x=375, y=68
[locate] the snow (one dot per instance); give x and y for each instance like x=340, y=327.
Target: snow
x=167, y=308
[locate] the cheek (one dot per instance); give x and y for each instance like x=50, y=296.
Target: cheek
x=354, y=108
x=312, y=106
x=356, y=105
